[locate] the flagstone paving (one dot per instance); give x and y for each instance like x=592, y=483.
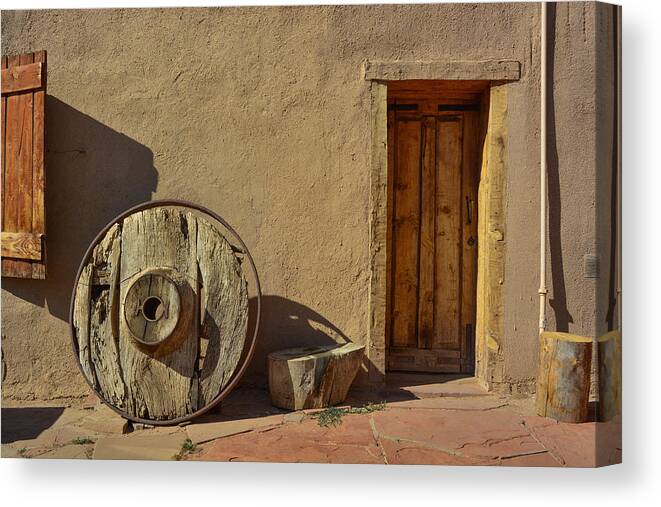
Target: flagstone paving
x=424, y=420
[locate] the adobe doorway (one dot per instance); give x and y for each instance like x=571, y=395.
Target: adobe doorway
x=459, y=85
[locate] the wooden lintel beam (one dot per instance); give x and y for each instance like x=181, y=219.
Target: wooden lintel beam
x=21, y=78
x=489, y=70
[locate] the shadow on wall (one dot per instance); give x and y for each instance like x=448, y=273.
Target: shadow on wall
x=559, y=302
x=93, y=173
x=286, y=323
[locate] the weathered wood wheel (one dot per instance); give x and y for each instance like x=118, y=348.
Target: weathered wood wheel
x=159, y=312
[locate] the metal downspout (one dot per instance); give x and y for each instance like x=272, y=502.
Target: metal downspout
x=542, y=176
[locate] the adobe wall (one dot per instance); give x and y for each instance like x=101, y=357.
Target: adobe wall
x=262, y=114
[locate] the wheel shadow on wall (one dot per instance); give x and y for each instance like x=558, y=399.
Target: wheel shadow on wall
x=286, y=324
x=93, y=173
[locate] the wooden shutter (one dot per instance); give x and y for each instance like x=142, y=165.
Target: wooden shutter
x=22, y=187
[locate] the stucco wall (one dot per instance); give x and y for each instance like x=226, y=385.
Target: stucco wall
x=262, y=114
x=580, y=138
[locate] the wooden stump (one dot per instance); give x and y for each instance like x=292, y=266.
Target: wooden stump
x=160, y=314
x=563, y=381
x=313, y=377
x=610, y=375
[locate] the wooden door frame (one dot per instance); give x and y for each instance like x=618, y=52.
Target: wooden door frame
x=378, y=74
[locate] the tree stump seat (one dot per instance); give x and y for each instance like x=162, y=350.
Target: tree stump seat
x=563, y=380
x=312, y=377
x=610, y=375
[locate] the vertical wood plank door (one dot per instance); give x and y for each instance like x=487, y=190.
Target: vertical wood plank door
x=434, y=152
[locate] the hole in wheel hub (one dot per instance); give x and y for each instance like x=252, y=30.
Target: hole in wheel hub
x=153, y=308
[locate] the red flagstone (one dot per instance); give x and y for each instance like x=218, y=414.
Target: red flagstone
x=454, y=423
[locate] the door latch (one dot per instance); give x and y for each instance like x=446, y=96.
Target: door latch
x=469, y=211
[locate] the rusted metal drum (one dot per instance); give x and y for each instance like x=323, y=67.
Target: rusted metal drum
x=159, y=312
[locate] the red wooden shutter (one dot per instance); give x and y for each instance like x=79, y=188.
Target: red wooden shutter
x=22, y=187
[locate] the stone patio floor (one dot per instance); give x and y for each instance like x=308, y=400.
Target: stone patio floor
x=418, y=419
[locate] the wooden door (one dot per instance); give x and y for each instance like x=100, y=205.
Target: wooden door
x=433, y=153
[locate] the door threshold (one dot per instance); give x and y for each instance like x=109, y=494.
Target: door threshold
x=397, y=378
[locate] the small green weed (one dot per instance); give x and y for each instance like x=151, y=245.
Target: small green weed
x=332, y=416
x=22, y=451
x=82, y=441
x=188, y=447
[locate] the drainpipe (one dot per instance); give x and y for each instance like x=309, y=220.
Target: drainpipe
x=542, y=177
x=618, y=198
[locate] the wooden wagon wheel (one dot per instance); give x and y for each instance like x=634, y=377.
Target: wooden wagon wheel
x=159, y=312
